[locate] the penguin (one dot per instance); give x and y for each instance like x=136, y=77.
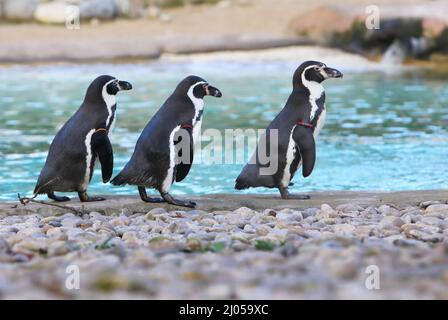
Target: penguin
x=81, y=140
x=296, y=128
x=164, y=151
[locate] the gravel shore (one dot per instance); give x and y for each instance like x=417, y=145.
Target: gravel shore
x=319, y=252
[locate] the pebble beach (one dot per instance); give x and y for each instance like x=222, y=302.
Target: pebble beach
x=320, y=252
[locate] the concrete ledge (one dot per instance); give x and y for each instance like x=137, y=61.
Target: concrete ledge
x=93, y=50
x=215, y=202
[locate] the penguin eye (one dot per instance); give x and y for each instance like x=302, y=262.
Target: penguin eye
x=316, y=68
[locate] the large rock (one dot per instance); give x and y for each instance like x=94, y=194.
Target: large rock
x=130, y=8
x=321, y=22
x=19, y=10
x=100, y=9
x=51, y=12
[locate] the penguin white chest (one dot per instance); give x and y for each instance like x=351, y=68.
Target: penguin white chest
x=320, y=123
x=290, y=154
x=292, y=148
x=89, y=168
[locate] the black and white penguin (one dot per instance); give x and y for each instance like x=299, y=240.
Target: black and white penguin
x=83, y=139
x=296, y=128
x=158, y=160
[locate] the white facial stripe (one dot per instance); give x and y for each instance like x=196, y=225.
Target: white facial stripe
x=316, y=90
x=109, y=100
x=323, y=73
x=197, y=102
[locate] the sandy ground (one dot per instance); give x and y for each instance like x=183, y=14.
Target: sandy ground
x=116, y=204
x=205, y=28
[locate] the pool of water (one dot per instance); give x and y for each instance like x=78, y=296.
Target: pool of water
x=383, y=131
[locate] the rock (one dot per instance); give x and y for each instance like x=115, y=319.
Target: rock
x=249, y=229
x=319, y=23
x=208, y=222
x=278, y=234
x=52, y=12
x=57, y=233
x=364, y=231
x=151, y=215
x=29, y=244
x=130, y=237
x=426, y=204
x=369, y=212
x=245, y=213
x=194, y=244
x=98, y=9
x=433, y=221
x=30, y=232
x=71, y=222
x=349, y=208
x=262, y=230
x=343, y=268
x=326, y=221
x=425, y=236
x=20, y=10
x=410, y=218
x=165, y=18
x=120, y=221
x=4, y=247
x=289, y=215
x=389, y=211
x=441, y=209
x=153, y=12
x=129, y=8
x=326, y=212
x=97, y=216
x=57, y=248
x=310, y=212
x=343, y=229
x=389, y=222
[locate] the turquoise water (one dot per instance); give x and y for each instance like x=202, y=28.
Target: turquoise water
x=383, y=131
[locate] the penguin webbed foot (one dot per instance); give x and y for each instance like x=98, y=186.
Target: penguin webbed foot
x=288, y=196
x=169, y=198
x=145, y=198
x=83, y=197
x=54, y=197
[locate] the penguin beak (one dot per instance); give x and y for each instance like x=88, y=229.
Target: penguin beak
x=212, y=91
x=331, y=73
x=124, y=85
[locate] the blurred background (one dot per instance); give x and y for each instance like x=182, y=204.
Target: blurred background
x=387, y=120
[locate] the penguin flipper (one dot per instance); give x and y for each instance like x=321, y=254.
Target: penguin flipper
x=103, y=148
x=304, y=139
x=182, y=168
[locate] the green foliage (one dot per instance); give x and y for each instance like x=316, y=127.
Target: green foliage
x=264, y=245
x=217, y=246
x=356, y=34
x=180, y=3
x=203, y=1
x=105, y=245
x=172, y=3
x=441, y=41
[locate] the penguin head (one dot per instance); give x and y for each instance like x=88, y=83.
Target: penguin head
x=314, y=71
x=198, y=87
x=105, y=85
